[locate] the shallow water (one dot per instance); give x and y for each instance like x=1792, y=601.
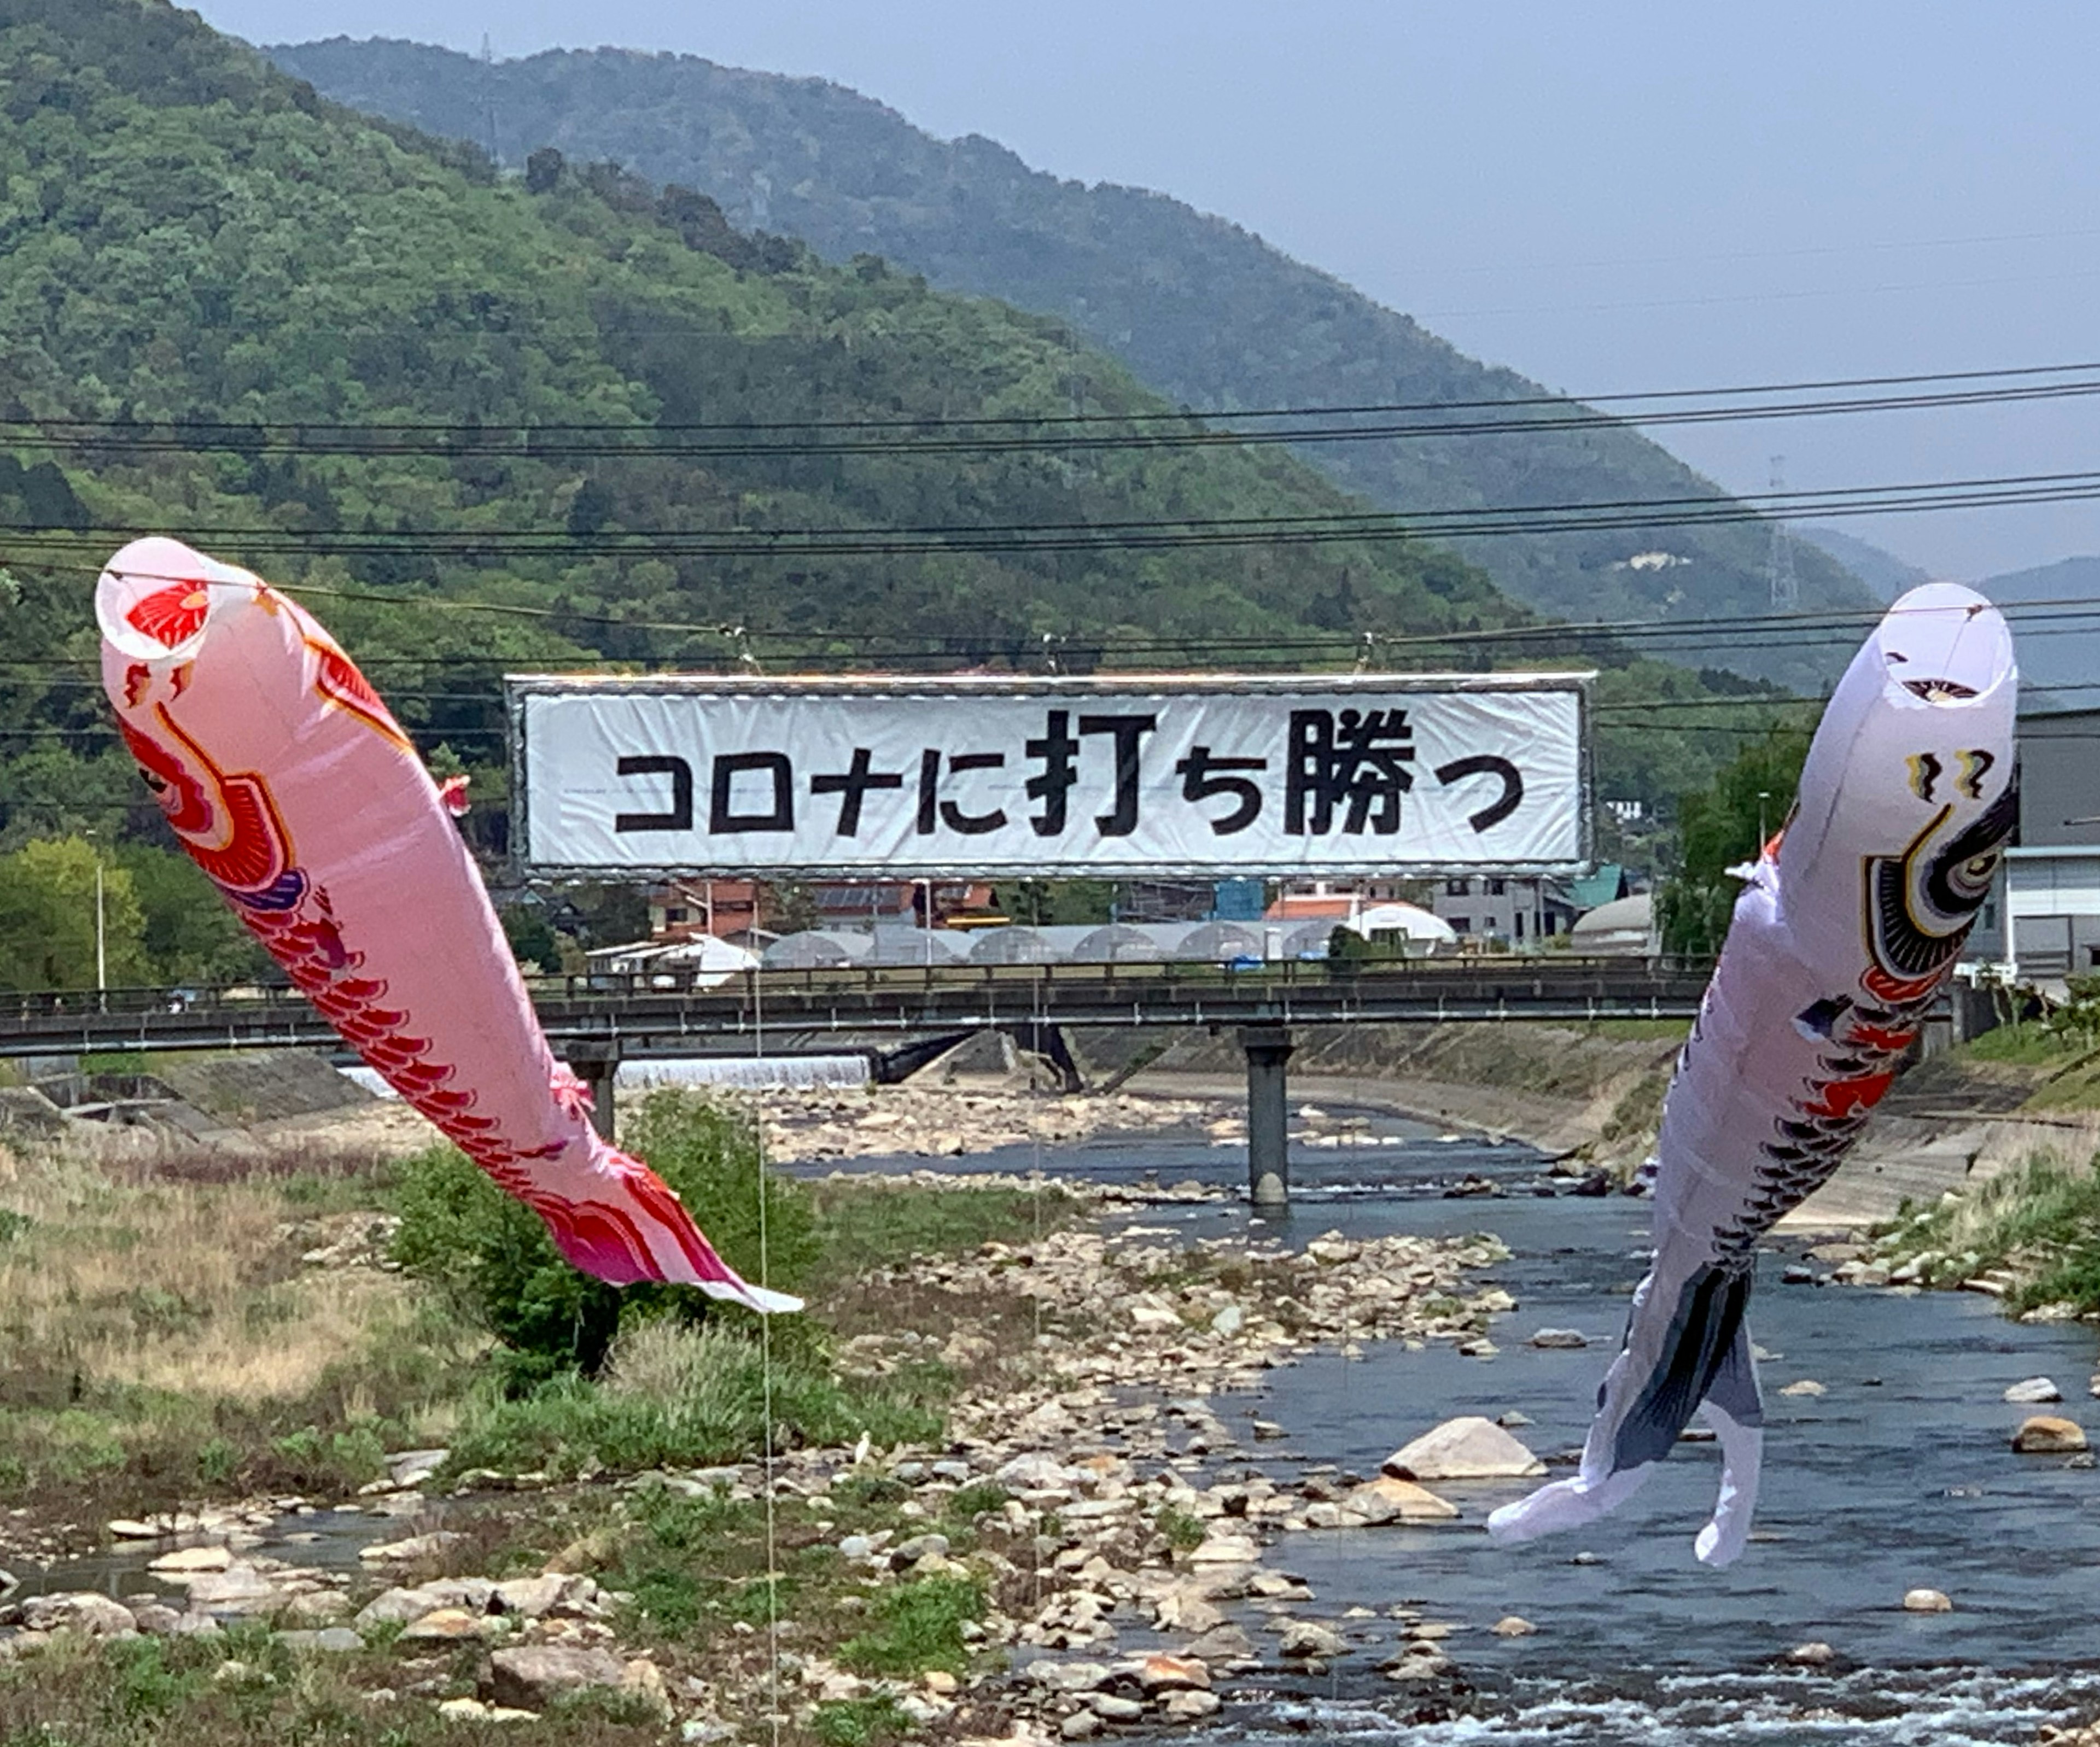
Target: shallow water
x=1900, y=1476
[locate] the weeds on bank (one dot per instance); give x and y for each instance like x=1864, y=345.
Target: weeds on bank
x=131, y=1693
x=2040, y=1221
x=162, y=1342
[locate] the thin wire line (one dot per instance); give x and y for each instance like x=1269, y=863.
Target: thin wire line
x=1619, y=397
x=766, y=1370
x=644, y=442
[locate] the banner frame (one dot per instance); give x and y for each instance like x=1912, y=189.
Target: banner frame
x=519, y=688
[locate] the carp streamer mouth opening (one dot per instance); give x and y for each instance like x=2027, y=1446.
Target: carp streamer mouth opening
x=155, y=598
x=1945, y=647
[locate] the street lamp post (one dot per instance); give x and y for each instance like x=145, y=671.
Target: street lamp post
x=101, y=930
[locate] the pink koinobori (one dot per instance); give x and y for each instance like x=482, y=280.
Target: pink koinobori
x=288, y=782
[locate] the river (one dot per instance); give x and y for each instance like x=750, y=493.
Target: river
x=1900, y=1475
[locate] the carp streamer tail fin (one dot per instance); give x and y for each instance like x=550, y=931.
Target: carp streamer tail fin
x=1685, y=1346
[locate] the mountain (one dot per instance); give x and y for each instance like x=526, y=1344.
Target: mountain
x=1883, y=572
x=489, y=423
x=2059, y=656
x=1204, y=312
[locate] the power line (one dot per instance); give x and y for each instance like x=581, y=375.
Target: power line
x=648, y=442
x=1310, y=528
x=1004, y=420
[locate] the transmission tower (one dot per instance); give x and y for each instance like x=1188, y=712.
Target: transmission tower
x=488, y=94
x=1779, y=560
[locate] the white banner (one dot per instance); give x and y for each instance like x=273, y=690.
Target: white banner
x=1308, y=774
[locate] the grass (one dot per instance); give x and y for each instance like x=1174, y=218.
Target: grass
x=2024, y=1046
x=136, y=1692
x=677, y=1396
x=866, y=1222
x=161, y=1339
x=917, y=1626
x=2040, y=1221
x=162, y=1342
x=1639, y=1031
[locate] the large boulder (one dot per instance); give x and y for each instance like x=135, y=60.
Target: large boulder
x=1387, y=1500
x=533, y=1676
x=80, y=1611
x=2047, y=1435
x=1467, y=1449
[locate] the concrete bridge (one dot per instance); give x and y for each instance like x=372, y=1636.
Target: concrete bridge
x=597, y=1020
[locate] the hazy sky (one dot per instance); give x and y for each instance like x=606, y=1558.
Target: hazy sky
x=1609, y=196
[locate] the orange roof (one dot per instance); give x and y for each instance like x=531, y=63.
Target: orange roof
x=1311, y=907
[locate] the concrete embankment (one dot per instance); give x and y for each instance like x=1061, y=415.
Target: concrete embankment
x=1950, y=1123
x=1596, y=1090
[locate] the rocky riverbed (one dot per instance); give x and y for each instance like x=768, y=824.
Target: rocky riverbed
x=1170, y=1476
x=1113, y=1515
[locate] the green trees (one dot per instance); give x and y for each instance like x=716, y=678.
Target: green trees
x=47, y=918
x=1203, y=312
x=1719, y=828
x=162, y=921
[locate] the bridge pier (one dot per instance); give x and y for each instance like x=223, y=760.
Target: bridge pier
x=595, y=1062
x=1269, y=1048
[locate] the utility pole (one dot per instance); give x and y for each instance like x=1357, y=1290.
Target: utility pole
x=1779, y=560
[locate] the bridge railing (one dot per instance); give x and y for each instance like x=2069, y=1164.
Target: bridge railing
x=1138, y=980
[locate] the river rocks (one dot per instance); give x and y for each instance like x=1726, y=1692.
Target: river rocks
x=331, y=1640
x=448, y=1625
x=191, y=1559
x=1559, y=1337
x=407, y=1468
x=817, y=1123
x=1807, y=1388
x=2035, y=1391
x=1417, y=1661
x=1388, y=1500
x=1813, y=1654
x=1302, y=1639
x=1225, y=1549
x=533, y=1676
x=155, y=1527
x=410, y=1551
x=1081, y=1725
x=2047, y=1435
x=80, y=1612
x=1513, y=1625
x=1926, y=1601
x=1171, y=1674
x=240, y=1588
x=1467, y=1449
x=1190, y=1707
x=1222, y=1646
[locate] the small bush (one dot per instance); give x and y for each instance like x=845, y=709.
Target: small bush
x=917, y=1626
x=494, y=1259
x=1184, y=1530
x=859, y=1722
x=676, y=1395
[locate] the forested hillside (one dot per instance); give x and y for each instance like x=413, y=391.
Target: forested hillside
x=484, y=421
x=1204, y=312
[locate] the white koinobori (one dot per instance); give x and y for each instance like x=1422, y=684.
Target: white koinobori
x=1852, y=919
